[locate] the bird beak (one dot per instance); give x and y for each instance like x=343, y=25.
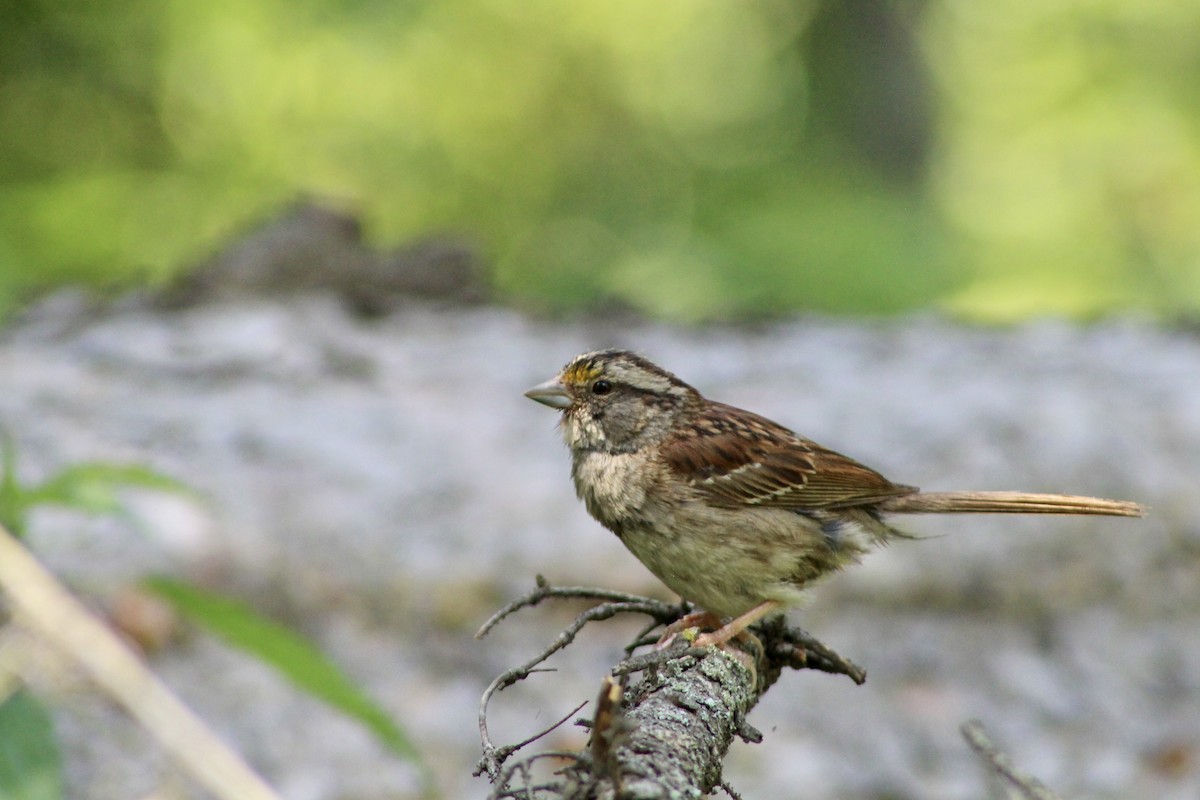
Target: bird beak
x=551, y=393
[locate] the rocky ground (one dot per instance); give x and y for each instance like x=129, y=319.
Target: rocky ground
x=382, y=485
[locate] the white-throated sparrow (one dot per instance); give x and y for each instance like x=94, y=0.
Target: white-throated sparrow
x=729, y=509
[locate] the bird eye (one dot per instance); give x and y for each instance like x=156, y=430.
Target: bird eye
x=601, y=387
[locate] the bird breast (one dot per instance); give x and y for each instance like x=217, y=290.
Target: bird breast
x=612, y=486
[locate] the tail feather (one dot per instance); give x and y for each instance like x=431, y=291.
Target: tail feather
x=1007, y=503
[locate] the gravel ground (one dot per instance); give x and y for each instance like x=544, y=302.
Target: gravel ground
x=383, y=485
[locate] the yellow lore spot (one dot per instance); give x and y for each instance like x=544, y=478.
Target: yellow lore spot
x=581, y=373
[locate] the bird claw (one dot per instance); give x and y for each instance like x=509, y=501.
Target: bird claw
x=687, y=626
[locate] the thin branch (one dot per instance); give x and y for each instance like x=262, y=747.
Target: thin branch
x=656, y=658
x=503, y=782
x=50, y=611
x=1002, y=764
x=662, y=612
x=512, y=748
x=795, y=648
x=725, y=787
x=494, y=756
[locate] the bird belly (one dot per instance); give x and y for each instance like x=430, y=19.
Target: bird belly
x=730, y=561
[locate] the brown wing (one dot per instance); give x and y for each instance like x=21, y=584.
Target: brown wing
x=737, y=458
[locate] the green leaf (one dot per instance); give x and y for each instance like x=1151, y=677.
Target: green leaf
x=293, y=655
x=93, y=487
x=30, y=764
x=12, y=501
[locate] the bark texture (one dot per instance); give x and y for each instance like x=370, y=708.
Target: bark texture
x=679, y=722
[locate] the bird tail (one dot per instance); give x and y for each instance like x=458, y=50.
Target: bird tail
x=1007, y=503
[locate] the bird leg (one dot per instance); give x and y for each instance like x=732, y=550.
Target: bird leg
x=695, y=619
x=719, y=638
x=721, y=633
x=736, y=626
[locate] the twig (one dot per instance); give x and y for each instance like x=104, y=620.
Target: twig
x=512, y=748
x=662, y=612
x=798, y=649
x=49, y=610
x=725, y=787
x=493, y=756
x=656, y=658
x=1001, y=764
x=504, y=779
x=608, y=722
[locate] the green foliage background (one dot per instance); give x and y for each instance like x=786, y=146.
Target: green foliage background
x=692, y=158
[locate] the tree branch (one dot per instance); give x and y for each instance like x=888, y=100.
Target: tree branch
x=999, y=763
x=668, y=734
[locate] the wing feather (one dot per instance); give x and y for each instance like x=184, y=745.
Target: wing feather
x=737, y=458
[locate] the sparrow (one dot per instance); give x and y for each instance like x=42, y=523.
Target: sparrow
x=733, y=512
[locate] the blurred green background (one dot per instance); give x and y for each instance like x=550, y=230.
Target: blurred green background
x=690, y=158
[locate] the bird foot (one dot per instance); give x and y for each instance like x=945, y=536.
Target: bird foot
x=735, y=627
x=721, y=633
x=696, y=620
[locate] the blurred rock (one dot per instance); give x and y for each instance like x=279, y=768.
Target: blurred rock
x=312, y=246
x=383, y=486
